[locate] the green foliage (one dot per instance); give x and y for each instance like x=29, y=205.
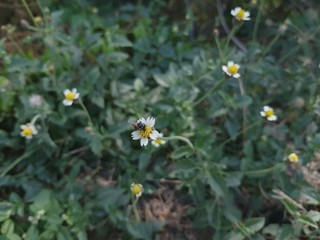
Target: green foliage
x=222, y=165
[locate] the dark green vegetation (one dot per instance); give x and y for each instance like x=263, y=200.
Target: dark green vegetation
x=162, y=59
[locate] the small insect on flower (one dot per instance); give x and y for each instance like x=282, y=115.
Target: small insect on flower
x=144, y=130
x=70, y=96
x=159, y=141
x=293, y=158
x=28, y=130
x=268, y=112
x=231, y=69
x=240, y=14
x=136, y=189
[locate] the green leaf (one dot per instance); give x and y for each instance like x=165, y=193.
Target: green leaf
x=242, y=101
x=180, y=152
x=96, y=144
x=5, y=210
x=120, y=41
x=217, y=183
x=161, y=80
x=14, y=236
x=7, y=227
x=307, y=221
x=255, y=224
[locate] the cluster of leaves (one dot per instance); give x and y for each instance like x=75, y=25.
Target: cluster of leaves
x=72, y=180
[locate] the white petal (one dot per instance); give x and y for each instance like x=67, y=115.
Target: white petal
x=28, y=137
x=263, y=114
x=225, y=68
x=236, y=75
x=67, y=102
x=33, y=130
x=272, y=118
x=230, y=63
x=154, y=143
x=237, y=65
x=144, y=142
x=67, y=91
x=23, y=126
x=74, y=91
x=76, y=96
x=142, y=120
x=266, y=108
x=135, y=135
x=160, y=135
x=154, y=135
x=233, y=12
x=150, y=121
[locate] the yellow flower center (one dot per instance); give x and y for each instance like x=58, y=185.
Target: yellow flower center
x=269, y=113
x=146, y=132
x=293, y=158
x=136, y=189
x=233, y=69
x=240, y=14
x=27, y=131
x=70, y=96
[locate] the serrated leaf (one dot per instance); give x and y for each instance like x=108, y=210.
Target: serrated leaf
x=181, y=152
x=7, y=227
x=307, y=221
x=255, y=224
x=96, y=144
x=120, y=41
x=161, y=80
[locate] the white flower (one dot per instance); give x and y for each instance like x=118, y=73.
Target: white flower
x=146, y=131
x=69, y=96
x=232, y=69
x=36, y=100
x=240, y=14
x=159, y=141
x=268, y=112
x=28, y=130
x=136, y=189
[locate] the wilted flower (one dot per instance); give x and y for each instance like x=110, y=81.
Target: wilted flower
x=240, y=14
x=36, y=100
x=28, y=130
x=159, y=141
x=37, y=20
x=145, y=130
x=136, y=189
x=268, y=112
x=231, y=69
x=293, y=158
x=69, y=96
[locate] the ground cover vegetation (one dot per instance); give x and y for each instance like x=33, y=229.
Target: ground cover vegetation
x=159, y=120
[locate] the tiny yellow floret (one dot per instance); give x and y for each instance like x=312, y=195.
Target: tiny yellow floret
x=269, y=112
x=27, y=132
x=70, y=96
x=233, y=69
x=146, y=132
x=293, y=158
x=136, y=189
x=240, y=14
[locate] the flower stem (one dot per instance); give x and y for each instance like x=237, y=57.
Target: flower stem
x=186, y=140
x=34, y=119
x=231, y=34
x=210, y=91
x=28, y=10
x=14, y=163
x=90, y=123
x=16, y=45
x=239, y=133
x=260, y=171
x=135, y=210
